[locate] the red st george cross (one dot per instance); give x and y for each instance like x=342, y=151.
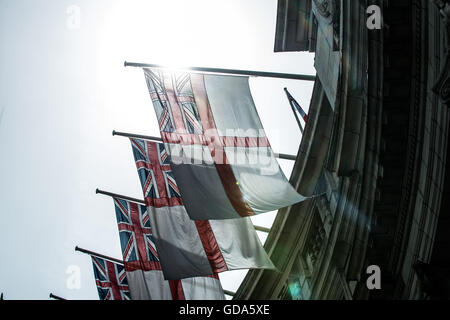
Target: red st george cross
x=139, y=251
x=160, y=189
x=185, y=117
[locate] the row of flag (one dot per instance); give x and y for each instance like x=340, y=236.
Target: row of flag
x=214, y=169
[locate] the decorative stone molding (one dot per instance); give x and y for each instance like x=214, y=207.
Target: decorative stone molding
x=330, y=10
x=325, y=7
x=442, y=86
x=315, y=240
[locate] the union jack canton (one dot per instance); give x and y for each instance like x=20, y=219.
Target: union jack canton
x=111, y=280
x=155, y=174
x=136, y=239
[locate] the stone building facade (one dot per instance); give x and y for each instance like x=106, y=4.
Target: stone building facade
x=374, y=153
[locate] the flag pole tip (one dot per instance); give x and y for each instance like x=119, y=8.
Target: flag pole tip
x=114, y=132
x=125, y=63
x=76, y=248
x=96, y=191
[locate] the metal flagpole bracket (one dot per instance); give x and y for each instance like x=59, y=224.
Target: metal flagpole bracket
x=266, y=74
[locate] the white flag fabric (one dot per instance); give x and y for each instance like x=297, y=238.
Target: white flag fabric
x=151, y=285
x=221, y=158
x=186, y=247
x=142, y=262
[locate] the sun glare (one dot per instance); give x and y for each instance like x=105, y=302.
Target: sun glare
x=182, y=34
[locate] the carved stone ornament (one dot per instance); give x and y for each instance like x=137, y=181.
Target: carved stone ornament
x=442, y=86
x=325, y=7
x=330, y=10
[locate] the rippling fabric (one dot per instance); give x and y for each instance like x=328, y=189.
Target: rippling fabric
x=236, y=171
x=142, y=260
x=189, y=248
x=111, y=280
x=150, y=285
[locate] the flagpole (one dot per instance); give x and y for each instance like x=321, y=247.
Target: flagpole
x=98, y=255
x=136, y=136
x=305, y=77
x=262, y=229
x=159, y=140
x=229, y=293
x=293, y=110
x=52, y=296
x=116, y=195
x=95, y=254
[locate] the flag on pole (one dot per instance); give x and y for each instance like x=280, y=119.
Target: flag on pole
x=296, y=105
x=221, y=158
x=111, y=280
x=141, y=261
x=188, y=247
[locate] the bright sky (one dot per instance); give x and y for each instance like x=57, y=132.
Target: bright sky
x=63, y=89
